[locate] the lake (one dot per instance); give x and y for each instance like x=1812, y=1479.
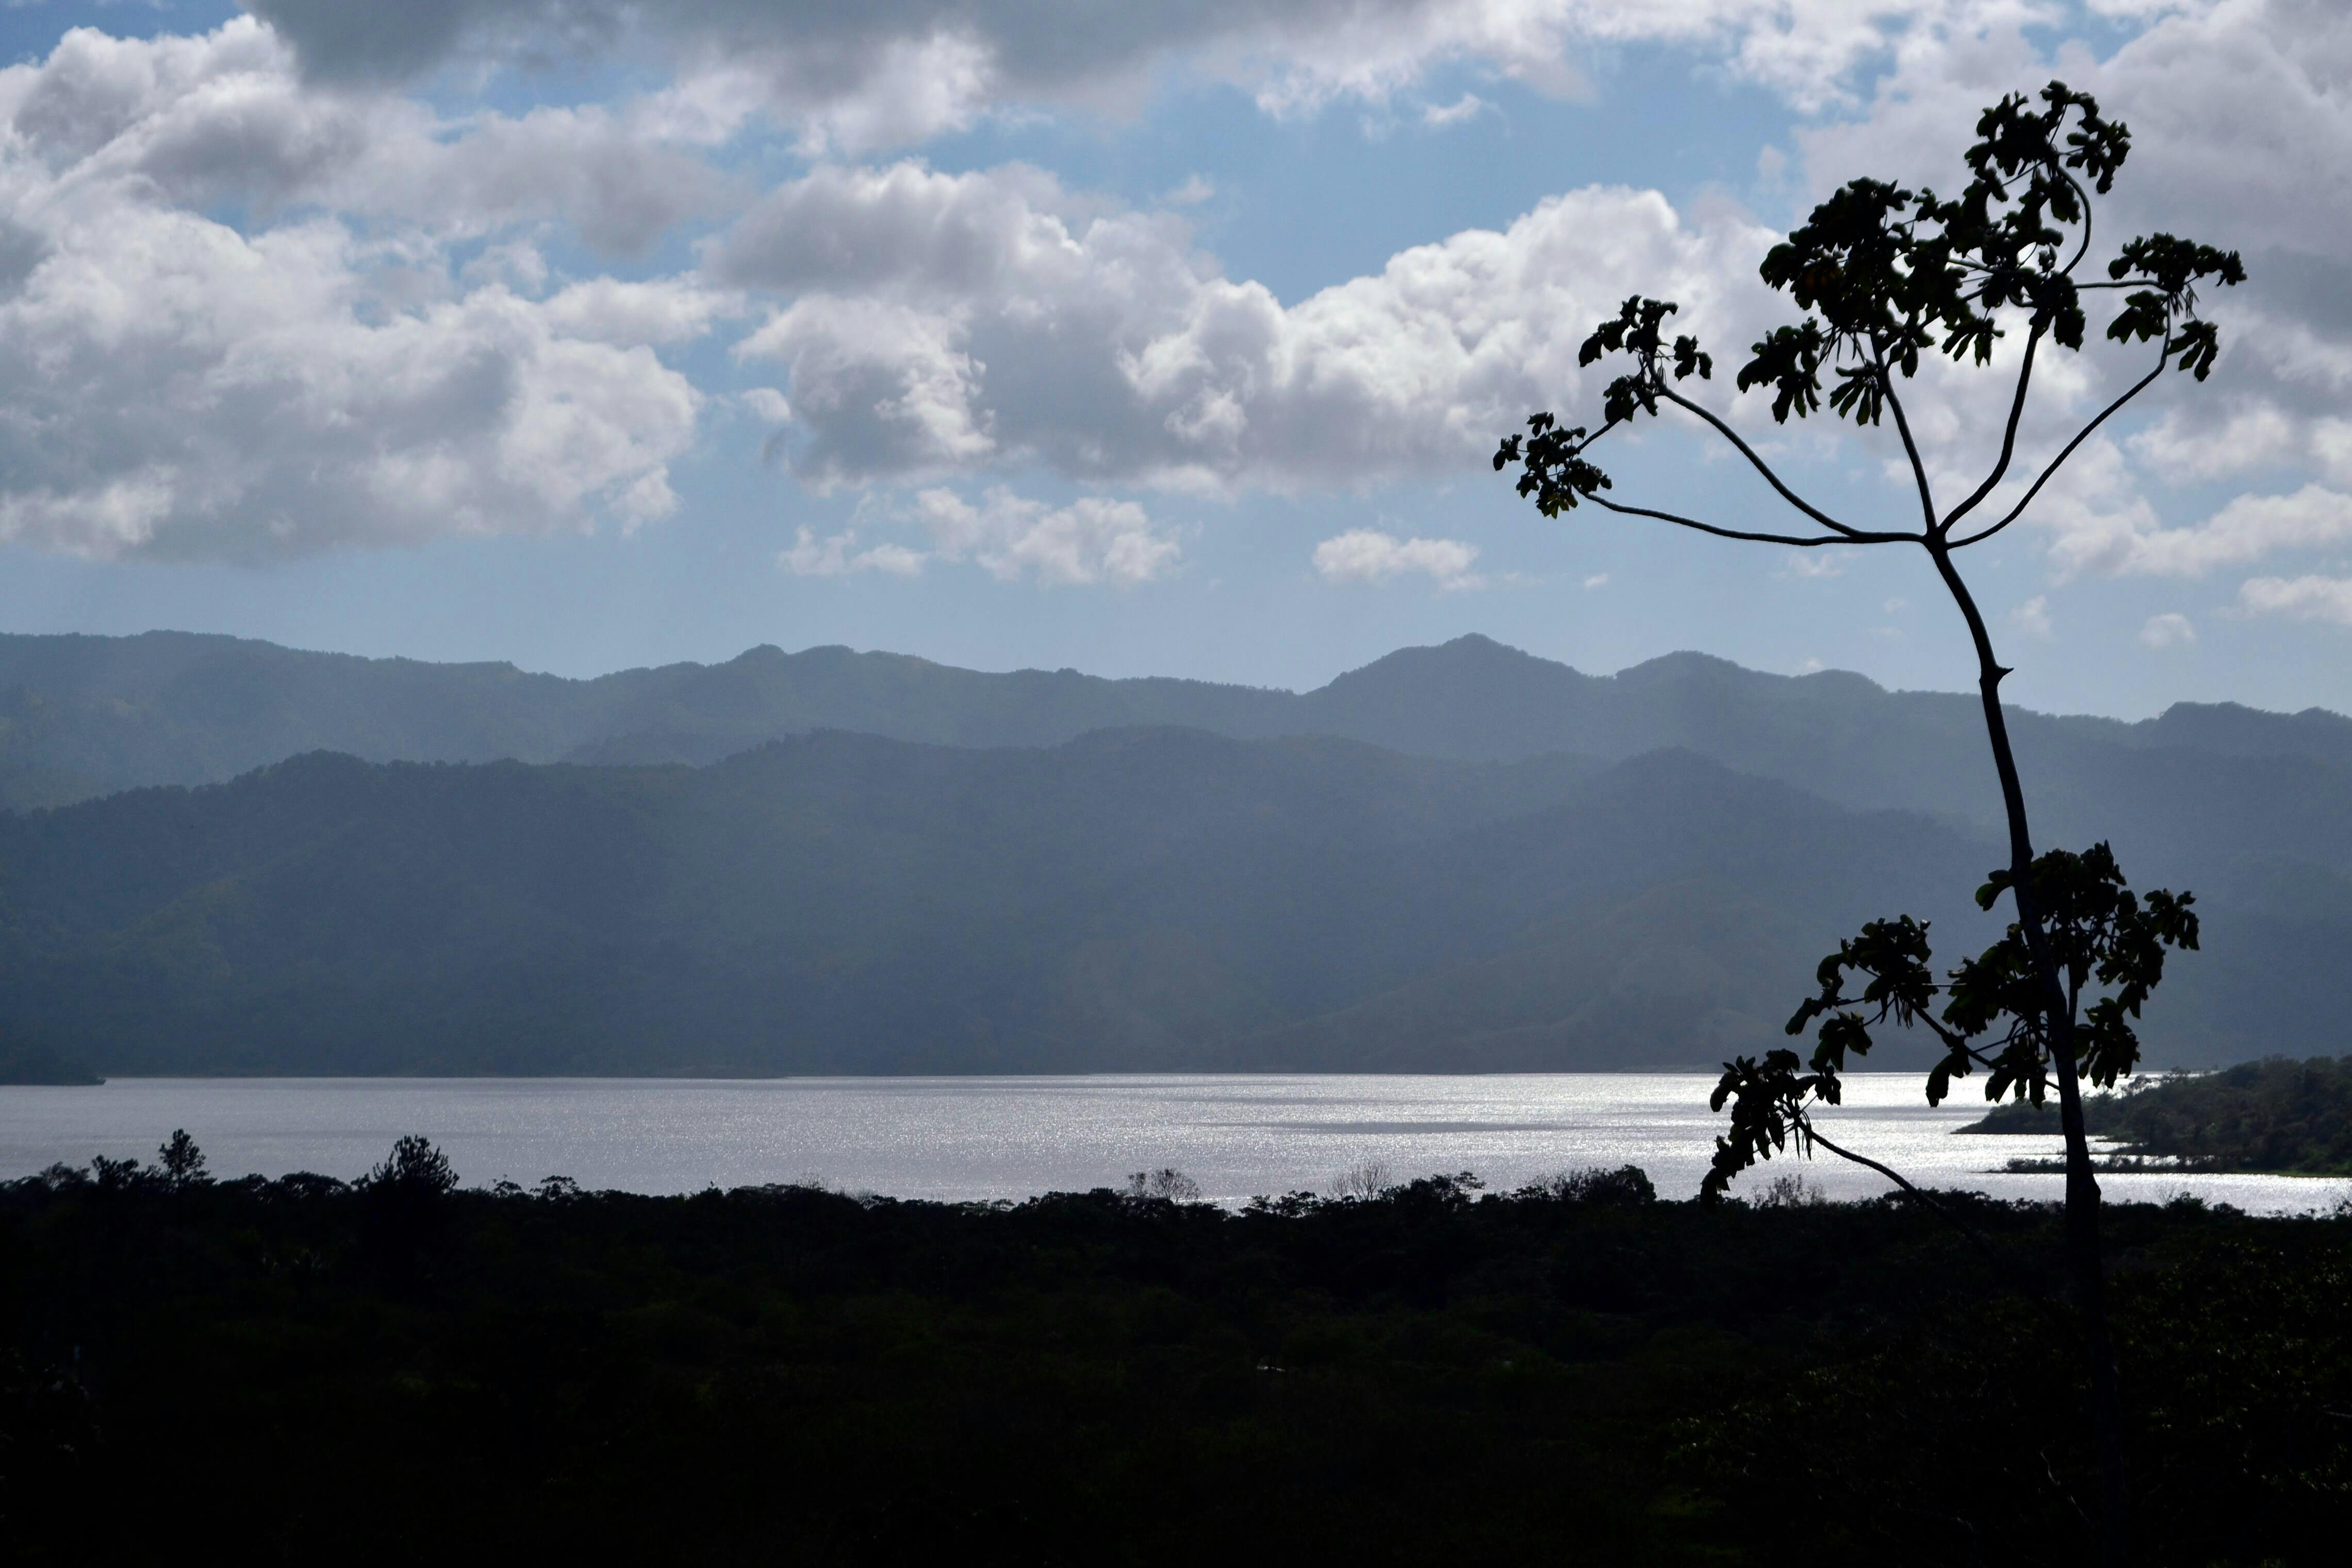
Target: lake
x=1237, y=1134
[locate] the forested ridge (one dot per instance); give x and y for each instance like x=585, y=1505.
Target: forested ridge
x=1456, y=858
x=2275, y=1115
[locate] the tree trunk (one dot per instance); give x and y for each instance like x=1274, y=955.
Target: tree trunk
x=2084, y=1265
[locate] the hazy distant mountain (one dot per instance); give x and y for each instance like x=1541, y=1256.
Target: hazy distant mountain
x=1464, y=857
x=83, y=715
x=1139, y=898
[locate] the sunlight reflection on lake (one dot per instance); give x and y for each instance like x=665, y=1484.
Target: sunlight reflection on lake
x=1012, y=1137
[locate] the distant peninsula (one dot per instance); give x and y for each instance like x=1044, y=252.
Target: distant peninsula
x=2277, y=1117
x=39, y=1064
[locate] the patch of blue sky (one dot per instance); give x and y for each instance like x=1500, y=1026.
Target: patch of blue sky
x=29, y=29
x=1299, y=203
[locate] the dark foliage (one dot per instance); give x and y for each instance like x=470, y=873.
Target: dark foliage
x=2277, y=1115
x=2110, y=944
x=1433, y=1373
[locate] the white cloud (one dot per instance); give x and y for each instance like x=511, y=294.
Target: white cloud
x=896, y=73
x=767, y=403
x=957, y=322
x=2167, y=630
x=224, y=118
x=836, y=554
x=1368, y=555
x=1597, y=579
x=2033, y=617
x=929, y=326
x=2299, y=599
x=1093, y=539
x=2102, y=524
x=2241, y=112
x=246, y=399
x=1469, y=106
x=659, y=310
x=174, y=388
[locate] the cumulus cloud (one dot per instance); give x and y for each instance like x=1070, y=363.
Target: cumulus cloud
x=896, y=72
x=224, y=118
x=2167, y=630
x=2242, y=118
x=2033, y=617
x=1368, y=555
x=1468, y=107
x=838, y=553
x=2308, y=598
x=938, y=322
x=926, y=328
x=1091, y=541
x=173, y=387
x=2101, y=523
x=942, y=323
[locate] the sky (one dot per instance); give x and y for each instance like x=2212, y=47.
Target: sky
x=1143, y=340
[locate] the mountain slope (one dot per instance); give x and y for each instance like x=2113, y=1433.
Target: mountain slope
x=80, y=716
x=1134, y=899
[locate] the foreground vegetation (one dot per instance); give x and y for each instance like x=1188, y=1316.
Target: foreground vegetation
x=314, y=1369
x=2278, y=1116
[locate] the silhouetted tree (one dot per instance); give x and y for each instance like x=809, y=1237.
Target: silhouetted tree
x=406, y=1205
x=182, y=1161
x=117, y=1175
x=1167, y=1185
x=414, y=1168
x=1888, y=275
x=1627, y=1187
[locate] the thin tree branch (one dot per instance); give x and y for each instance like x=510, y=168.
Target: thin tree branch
x=1976, y=1238
x=2081, y=435
x=2083, y=197
x=1910, y=447
x=2009, y=437
x=1798, y=542
x=1759, y=465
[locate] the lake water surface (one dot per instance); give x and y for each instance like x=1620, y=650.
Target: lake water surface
x=1013, y=1137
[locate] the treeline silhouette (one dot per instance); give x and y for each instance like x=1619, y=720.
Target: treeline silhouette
x=305, y=1368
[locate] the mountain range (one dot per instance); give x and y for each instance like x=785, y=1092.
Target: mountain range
x=232, y=857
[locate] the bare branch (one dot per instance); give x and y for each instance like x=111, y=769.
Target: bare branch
x=2081, y=435
x=1759, y=465
x=1813, y=1134
x=1949, y=1216
x=2009, y=437
x=2083, y=198
x=1796, y=540
x=1910, y=447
